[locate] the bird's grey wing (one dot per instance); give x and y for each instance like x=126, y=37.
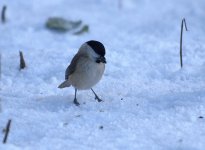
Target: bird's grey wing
x=71, y=68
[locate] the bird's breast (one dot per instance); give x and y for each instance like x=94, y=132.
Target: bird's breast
x=87, y=74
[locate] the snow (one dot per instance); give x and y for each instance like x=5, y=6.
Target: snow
x=149, y=102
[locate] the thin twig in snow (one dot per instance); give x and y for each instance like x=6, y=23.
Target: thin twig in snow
x=3, y=14
x=120, y=4
x=6, y=130
x=181, y=36
x=0, y=69
x=22, y=61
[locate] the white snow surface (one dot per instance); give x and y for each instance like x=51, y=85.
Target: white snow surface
x=150, y=103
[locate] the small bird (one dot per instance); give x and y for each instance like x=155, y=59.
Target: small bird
x=86, y=68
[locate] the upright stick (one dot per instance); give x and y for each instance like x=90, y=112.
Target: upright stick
x=7, y=131
x=182, y=25
x=3, y=14
x=22, y=61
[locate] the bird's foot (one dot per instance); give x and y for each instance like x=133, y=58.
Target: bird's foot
x=76, y=102
x=98, y=99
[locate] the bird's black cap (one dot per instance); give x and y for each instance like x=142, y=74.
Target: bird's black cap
x=97, y=47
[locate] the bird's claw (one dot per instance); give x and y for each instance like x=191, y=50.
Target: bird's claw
x=76, y=102
x=98, y=99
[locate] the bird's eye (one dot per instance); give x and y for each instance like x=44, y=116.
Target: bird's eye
x=98, y=61
x=101, y=59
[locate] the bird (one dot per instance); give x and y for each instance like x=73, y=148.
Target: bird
x=86, y=68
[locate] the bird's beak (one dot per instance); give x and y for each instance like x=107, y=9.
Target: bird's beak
x=101, y=59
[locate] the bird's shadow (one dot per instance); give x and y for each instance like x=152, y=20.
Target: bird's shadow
x=55, y=103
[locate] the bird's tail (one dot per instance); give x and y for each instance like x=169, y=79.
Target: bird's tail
x=66, y=83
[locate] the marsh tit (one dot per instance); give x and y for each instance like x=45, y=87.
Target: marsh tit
x=86, y=68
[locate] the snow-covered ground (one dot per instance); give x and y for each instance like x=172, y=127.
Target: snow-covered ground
x=149, y=102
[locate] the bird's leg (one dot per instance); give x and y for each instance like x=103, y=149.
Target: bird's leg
x=96, y=97
x=75, y=99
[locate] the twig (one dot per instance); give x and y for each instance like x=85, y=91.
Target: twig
x=120, y=4
x=22, y=61
x=0, y=104
x=85, y=28
x=0, y=68
x=6, y=130
x=0, y=81
x=181, y=36
x=3, y=14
